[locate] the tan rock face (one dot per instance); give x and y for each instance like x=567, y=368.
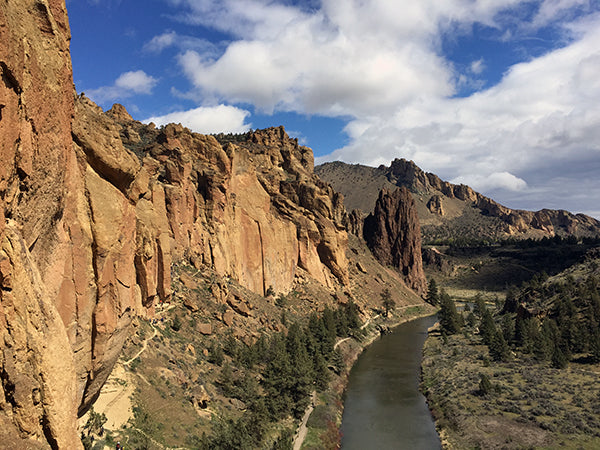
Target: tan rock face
x=38, y=395
x=435, y=205
x=393, y=234
x=94, y=207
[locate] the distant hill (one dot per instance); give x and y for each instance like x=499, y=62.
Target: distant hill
x=448, y=211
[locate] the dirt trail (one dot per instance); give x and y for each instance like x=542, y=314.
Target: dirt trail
x=302, y=430
x=143, y=349
x=114, y=400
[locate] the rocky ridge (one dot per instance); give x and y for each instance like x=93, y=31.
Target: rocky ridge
x=441, y=203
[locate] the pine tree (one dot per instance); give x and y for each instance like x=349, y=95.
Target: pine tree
x=432, y=293
x=450, y=321
x=487, y=327
x=508, y=328
x=498, y=347
x=321, y=371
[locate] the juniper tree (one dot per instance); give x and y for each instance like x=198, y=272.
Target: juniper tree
x=388, y=303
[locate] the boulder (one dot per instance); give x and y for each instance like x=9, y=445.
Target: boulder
x=205, y=329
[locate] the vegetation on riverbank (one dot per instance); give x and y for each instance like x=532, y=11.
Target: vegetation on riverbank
x=522, y=373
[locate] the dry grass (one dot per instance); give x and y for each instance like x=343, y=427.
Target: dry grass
x=532, y=405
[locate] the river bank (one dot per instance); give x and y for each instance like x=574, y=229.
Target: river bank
x=323, y=425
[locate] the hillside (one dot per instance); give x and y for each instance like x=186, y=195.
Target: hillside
x=446, y=211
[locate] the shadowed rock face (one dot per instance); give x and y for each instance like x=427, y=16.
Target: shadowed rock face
x=393, y=234
x=94, y=209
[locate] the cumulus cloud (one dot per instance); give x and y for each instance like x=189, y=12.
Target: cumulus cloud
x=540, y=119
x=496, y=180
x=126, y=85
x=381, y=64
x=207, y=119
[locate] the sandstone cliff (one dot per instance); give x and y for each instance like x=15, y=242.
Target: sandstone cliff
x=393, y=234
x=447, y=210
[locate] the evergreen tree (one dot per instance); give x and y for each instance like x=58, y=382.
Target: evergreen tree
x=510, y=303
x=479, y=305
x=321, y=371
x=388, y=303
x=559, y=360
x=351, y=310
x=337, y=361
x=508, y=328
x=330, y=330
x=450, y=321
x=432, y=293
x=542, y=343
x=487, y=327
x=277, y=379
x=485, y=386
x=498, y=347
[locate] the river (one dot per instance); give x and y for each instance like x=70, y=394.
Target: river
x=383, y=408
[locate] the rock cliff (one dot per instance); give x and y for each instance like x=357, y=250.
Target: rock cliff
x=393, y=234
x=39, y=394
x=95, y=208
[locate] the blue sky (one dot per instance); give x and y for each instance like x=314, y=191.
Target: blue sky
x=501, y=95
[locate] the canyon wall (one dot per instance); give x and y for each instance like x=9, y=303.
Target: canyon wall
x=94, y=209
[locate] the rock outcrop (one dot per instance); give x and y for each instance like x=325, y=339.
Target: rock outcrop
x=437, y=196
x=435, y=205
x=393, y=234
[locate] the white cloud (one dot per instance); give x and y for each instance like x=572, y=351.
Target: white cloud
x=171, y=38
x=126, y=85
x=542, y=118
x=207, y=120
x=477, y=66
x=496, y=180
x=158, y=43
x=381, y=64
x=137, y=82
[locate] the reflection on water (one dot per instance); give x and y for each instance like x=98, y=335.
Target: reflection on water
x=384, y=408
